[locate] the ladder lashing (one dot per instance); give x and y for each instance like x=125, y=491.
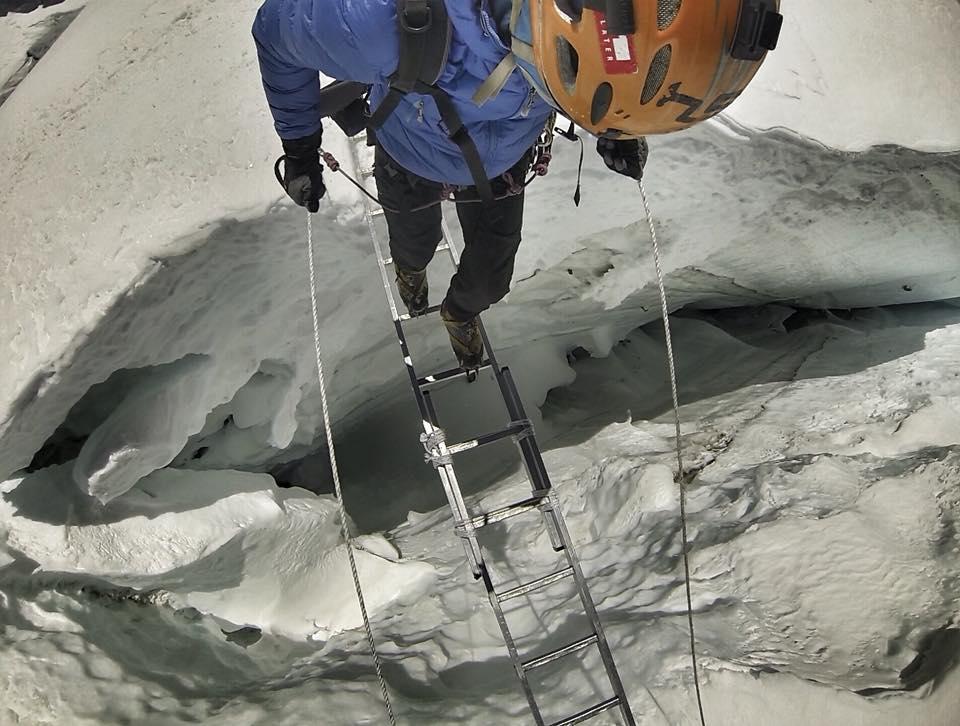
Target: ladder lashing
x=434, y=444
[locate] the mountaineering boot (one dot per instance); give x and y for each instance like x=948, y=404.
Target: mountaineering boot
x=412, y=286
x=465, y=340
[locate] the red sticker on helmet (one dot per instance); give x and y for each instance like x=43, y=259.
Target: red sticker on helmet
x=618, y=56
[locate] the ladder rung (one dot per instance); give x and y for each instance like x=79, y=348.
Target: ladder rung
x=536, y=584
x=367, y=173
x=511, y=510
x=449, y=374
x=378, y=212
x=513, y=429
x=589, y=713
x=560, y=652
x=429, y=311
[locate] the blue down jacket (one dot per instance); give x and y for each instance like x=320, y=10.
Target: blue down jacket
x=358, y=40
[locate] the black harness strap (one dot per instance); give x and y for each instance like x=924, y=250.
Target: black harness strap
x=459, y=135
x=387, y=106
x=421, y=34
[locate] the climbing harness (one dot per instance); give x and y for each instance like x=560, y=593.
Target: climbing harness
x=336, y=477
x=681, y=474
x=448, y=193
x=540, y=166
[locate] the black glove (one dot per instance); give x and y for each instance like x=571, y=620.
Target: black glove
x=303, y=172
x=624, y=156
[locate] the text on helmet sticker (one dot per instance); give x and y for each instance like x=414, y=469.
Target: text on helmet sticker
x=617, y=50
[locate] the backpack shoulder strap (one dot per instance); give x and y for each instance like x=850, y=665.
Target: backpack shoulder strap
x=425, y=34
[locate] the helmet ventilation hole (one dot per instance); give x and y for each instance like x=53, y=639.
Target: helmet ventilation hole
x=657, y=74
x=602, y=98
x=568, y=63
x=667, y=11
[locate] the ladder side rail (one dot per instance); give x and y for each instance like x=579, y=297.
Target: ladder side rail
x=447, y=467
x=448, y=476
x=539, y=476
x=532, y=459
x=470, y=535
x=512, y=648
x=556, y=528
x=384, y=278
x=528, y=444
x=470, y=545
x=593, y=616
x=428, y=416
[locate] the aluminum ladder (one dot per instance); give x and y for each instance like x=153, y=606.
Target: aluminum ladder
x=441, y=454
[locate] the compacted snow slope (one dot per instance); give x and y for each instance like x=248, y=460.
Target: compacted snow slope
x=161, y=382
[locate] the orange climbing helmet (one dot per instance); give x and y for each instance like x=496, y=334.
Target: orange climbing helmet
x=637, y=67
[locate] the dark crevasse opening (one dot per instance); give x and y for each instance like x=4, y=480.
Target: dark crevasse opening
x=24, y=6
x=48, y=31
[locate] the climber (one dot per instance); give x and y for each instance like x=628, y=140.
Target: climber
x=459, y=93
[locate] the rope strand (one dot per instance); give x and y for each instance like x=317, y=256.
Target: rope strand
x=336, y=478
x=671, y=362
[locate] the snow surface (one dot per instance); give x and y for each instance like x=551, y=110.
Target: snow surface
x=861, y=73
x=19, y=32
x=160, y=360
x=816, y=556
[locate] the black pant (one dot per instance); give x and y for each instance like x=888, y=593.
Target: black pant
x=491, y=232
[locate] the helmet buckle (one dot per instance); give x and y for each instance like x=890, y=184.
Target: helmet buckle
x=758, y=29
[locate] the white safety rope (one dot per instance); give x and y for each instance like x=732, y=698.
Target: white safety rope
x=336, y=476
x=680, y=472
